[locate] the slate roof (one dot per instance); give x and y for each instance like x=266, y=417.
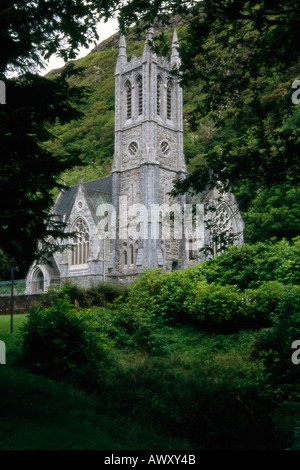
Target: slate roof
x=104, y=185
x=97, y=192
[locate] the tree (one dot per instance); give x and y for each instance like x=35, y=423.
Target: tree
x=242, y=58
x=273, y=213
x=28, y=172
x=30, y=32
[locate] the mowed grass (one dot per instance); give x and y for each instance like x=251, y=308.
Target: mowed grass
x=40, y=414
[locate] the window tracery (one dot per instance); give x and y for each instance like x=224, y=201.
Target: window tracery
x=80, y=251
x=221, y=230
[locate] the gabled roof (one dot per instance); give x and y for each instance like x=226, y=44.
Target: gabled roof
x=104, y=185
x=97, y=192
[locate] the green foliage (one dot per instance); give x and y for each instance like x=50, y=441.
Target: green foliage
x=62, y=343
x=274, y=347
x=138, y=330
x=238, y=289
x=205, y=394
x=5, y=264
x=205, y=390
x=260, y=304
x=273, y=212
x=247, y=266
x=31, y=33
x=246, y=65
x=30, y=172
x=159, y=294
x=213, y=306
x=99, y=294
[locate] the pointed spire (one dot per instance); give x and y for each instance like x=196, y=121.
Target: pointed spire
x=122, y=57
x=175, y=59
x=149, y=39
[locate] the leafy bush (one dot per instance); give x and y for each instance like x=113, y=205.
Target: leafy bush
x=100, y=294
x=187, y=297
x=62, y=343
x=206, y=390
x=160, y=295
x=138, y=330
x=259, y=304
x=247, y=266
x=214, y=306
x=274, y=347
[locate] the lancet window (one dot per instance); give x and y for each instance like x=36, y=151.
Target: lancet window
x=221, y=230
x=158, y=95
x=139, y=82
x=128, y=99
x=169, y=99
x=80, y=251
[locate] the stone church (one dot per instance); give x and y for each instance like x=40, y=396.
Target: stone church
x=128, y=222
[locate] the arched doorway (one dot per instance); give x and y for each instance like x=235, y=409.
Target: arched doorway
x=38, y=282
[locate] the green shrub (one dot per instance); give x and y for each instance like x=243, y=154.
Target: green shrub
x=139, y=330
x=238, y=289
x=62, y=343
x=77, y=295
x=274, y=347
x=160, y=295
x=185, y=297
x=247, y=266
x=213, y=306
x=206, y=390
x=260, y=303
x=109, y=291
x=99, y=294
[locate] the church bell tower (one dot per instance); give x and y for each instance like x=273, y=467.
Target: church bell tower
x=148, y=154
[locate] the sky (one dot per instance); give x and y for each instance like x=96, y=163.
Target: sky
x=105, y=30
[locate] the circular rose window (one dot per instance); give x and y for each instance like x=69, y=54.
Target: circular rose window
x=133, y=148
x=165, y=147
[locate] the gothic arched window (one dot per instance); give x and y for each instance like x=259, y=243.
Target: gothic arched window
x=125, y=256
x=38, y=282
x=80, y=251
x=128, y=99
x=221, y=230
x=169, y=99
x=131, y=254
x=139, y=82
x=158, y=95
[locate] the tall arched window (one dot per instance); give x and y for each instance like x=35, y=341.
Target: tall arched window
x=128, y=99
x=139, y=82
x=38, y=282
x=221, y=230
x=131, y=254
x=169, y=99
x=80, y=252
x=125, y=257
x=158, y=95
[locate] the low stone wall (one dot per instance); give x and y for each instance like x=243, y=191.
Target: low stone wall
x=21, y=303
